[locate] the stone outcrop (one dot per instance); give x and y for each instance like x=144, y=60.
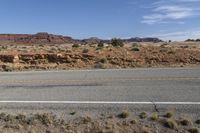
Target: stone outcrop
x=39, y=38
x=106, y=58
x=45, y=38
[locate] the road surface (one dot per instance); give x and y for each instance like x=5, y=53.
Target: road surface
x=102, y=90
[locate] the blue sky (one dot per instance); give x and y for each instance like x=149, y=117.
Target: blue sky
x=167, y=19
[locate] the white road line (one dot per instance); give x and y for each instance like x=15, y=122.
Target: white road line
x=102, y=102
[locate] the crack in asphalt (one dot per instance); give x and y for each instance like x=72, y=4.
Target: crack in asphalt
x=155, y=106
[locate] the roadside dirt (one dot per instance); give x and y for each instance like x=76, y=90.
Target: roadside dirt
x=114, y=123
x=66, y=56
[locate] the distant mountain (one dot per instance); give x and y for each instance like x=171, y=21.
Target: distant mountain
x=45, y=38
x=137, y=39
x=38, y=38
x=192, y=40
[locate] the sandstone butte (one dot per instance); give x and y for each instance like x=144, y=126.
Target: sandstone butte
x=38, y=38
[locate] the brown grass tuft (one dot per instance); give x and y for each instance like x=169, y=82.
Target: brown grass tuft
x=143, y=115
x=170, y=123
x=124, y=114
x=168, y=114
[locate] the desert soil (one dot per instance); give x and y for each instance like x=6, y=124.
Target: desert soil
x=123, y=122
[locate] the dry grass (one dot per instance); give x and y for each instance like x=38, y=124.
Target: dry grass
x=168, y=114
x=70, y=56
x=143, y=115
x=185, y=122
x=154, y=117
x=124, y=114
x=170, y=123
x=48, y=122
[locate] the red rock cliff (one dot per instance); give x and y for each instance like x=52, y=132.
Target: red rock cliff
x=38, y=38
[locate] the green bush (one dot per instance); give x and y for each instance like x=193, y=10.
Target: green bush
x=100, y=44
x=85, y=50
x=103, y=60
x=117, y=42
x=143, y=115
x=124, y=114
x=75, y=45
x=168, y=114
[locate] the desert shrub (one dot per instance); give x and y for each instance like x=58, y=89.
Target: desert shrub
x=75, y=45
x=116, y=42
x=101, y=66
x=168, y=115
x=189, y=40
x=45, y=118
x=103, y=60
x=154, y=117
x=124, y=114
x=100, y=44
x=171, y=52
x=72, y=113
x=135, y=49
x=7, y=68
x=143, y=115
x=85, y=50
x=185, y=122
x=169, y=123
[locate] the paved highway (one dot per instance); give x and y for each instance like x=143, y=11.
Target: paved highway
x=102, y=90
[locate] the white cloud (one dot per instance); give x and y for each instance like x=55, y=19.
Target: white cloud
x=180, y=35
x=163, y=12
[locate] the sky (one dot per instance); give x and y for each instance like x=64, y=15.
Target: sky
x=166, y=19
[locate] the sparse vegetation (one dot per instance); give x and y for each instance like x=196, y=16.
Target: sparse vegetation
x=101, y=66
x=192, y=40
x=124, y=123
x=185, y=122
x=117, y=42
x=135, y=49
x=72, y=113
x=124, y=114
x=170, y=123
x=103, y=60
x=100, y=44
x=34, y=57
x=154, y=117
x=168, y=114
x=143, y=115
x=85, y=50
x=75, y=45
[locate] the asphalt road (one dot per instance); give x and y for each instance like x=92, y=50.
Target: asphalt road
x=102, y=90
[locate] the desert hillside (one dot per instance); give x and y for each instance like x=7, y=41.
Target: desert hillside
x=78, y=56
